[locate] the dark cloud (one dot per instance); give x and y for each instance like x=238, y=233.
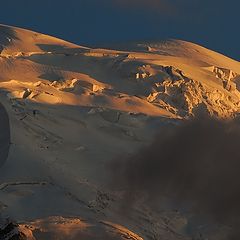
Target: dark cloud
x=195, y=164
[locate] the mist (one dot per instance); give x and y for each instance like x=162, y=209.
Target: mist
x=194, y=164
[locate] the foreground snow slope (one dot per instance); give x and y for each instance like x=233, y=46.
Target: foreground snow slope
x=72, y=109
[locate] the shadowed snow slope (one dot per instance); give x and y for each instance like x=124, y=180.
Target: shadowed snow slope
x=72, y=109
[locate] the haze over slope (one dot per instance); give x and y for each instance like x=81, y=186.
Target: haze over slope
x=72, y=109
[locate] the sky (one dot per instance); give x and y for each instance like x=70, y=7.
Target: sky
x=211, y=23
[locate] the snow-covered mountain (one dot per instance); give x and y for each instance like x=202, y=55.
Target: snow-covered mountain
x=72, y=109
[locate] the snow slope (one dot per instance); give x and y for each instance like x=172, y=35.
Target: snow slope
x=72, y=109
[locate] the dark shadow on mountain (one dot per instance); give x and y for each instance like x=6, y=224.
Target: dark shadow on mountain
x=35, y=116
x=60, y=49
x=4, y=135
x=51, y=76
x=196, y=163
x=51, y=47
x=152, y=47
x=7, y=35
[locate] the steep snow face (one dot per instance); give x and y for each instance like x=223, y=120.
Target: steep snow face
x=72, y=109
x=16, y=40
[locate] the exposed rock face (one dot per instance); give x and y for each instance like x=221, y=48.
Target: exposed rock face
x=19, y=94
x=10, y=230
